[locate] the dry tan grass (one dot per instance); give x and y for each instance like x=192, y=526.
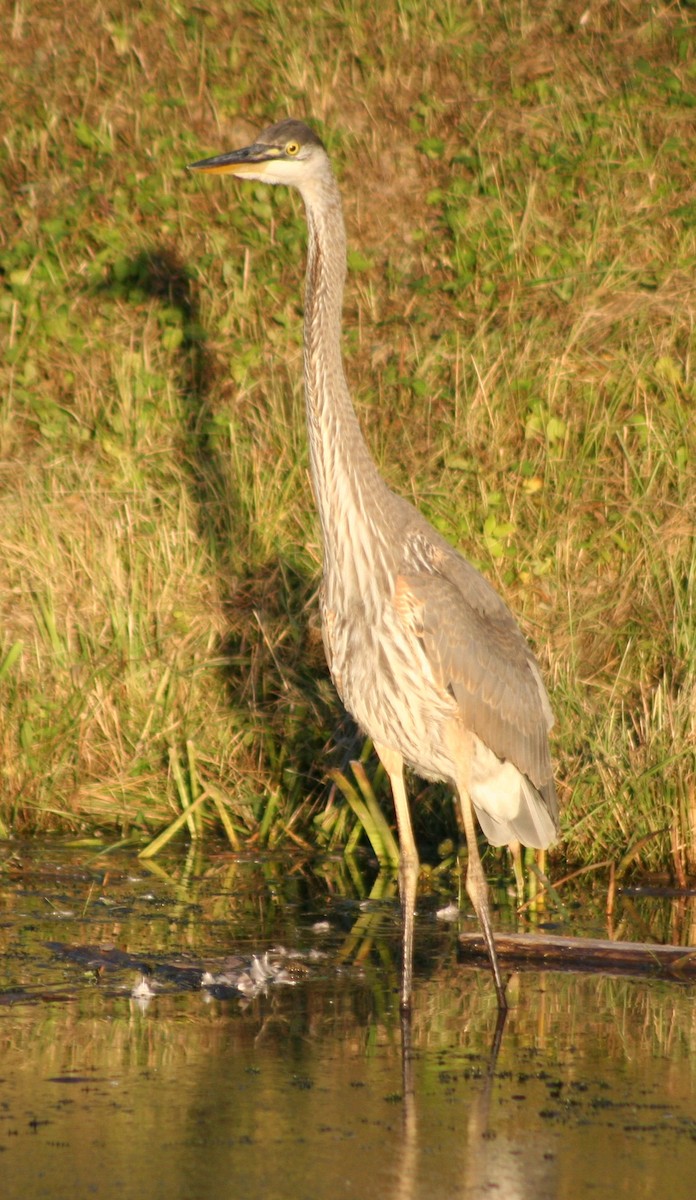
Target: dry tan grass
x=519, y=336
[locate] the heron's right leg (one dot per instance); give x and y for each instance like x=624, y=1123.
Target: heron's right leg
x=477, y=888
x=408, y=862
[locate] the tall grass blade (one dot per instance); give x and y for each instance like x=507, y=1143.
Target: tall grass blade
x=171, y=831
x=222, y=805
x=13, y=654
x=369, y=815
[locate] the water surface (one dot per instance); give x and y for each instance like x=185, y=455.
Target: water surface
x=297, y=1088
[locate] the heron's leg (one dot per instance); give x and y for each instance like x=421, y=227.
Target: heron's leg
x=408, y=862
x=516, y=852
x=477, y=888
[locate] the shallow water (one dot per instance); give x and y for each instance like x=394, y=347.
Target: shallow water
x=297, y=1088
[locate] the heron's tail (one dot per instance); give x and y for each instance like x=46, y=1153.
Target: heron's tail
x=509, y=807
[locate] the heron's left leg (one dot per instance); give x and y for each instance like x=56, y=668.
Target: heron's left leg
x=517, y=866
x=408, y=862
x=477, y=888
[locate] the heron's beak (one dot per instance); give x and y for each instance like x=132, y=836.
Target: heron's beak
x=247, y=161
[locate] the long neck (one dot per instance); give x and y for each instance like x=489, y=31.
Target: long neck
x=349, y=492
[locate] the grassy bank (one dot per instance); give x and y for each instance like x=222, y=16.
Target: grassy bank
x=519, y=338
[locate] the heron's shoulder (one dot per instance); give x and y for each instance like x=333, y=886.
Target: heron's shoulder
x=459, y=608
x=427, y=552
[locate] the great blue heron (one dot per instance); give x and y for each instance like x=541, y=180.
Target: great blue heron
x=423, y=652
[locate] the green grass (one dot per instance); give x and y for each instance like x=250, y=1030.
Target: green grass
x=519, y=338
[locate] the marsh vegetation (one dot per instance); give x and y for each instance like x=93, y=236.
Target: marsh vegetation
x=518, y=180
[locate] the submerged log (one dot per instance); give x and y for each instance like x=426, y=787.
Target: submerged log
x=545, y=952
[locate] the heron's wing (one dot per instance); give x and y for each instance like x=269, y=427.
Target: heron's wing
x=477, y=650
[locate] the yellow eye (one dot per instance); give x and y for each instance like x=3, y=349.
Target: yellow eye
x=292, y=148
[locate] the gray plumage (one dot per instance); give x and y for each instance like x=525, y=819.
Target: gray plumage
x=423, y=652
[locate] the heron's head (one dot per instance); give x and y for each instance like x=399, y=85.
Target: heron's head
x=289, y=153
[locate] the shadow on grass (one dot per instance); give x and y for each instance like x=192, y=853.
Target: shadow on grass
x=271, y=655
